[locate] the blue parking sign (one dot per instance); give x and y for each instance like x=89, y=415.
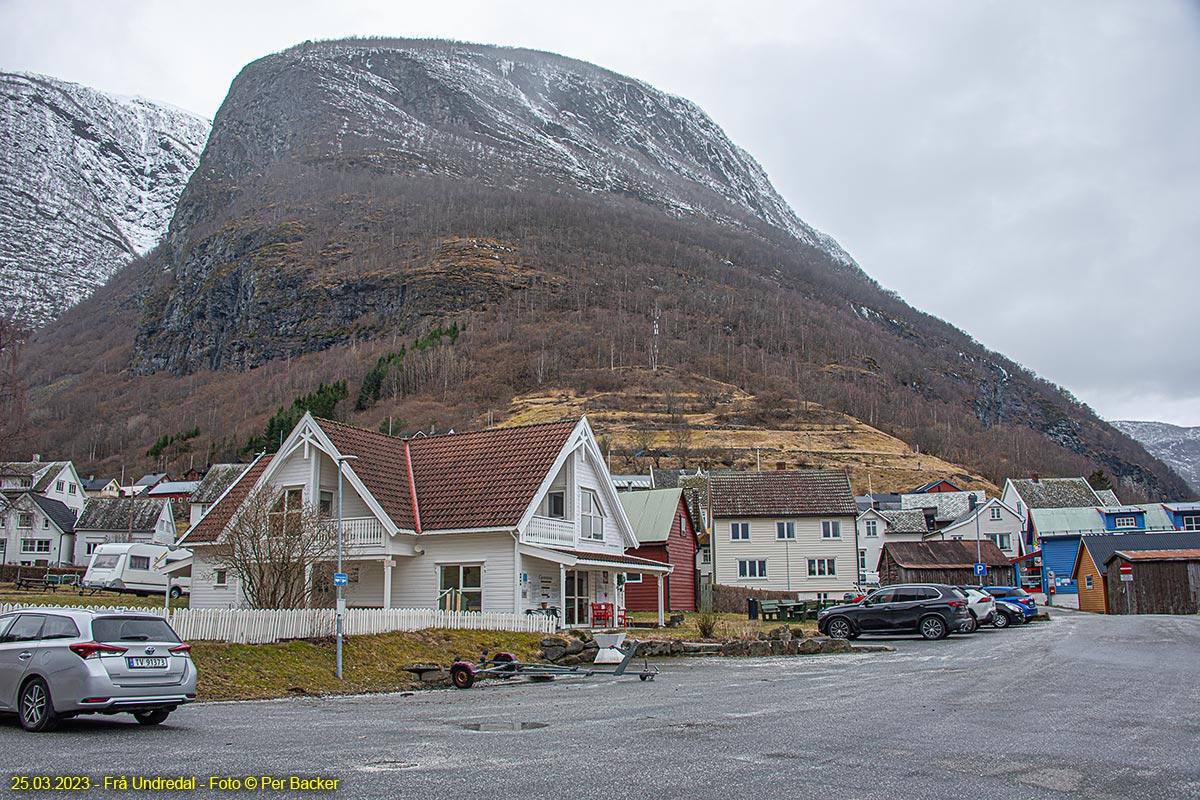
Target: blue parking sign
x=980, y=570
x=339, y=579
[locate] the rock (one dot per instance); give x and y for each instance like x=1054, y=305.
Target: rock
x=674, y=621
x=434, y=675
x=738, y=647
x=571, y=661
x=590, y=644
x=808, y=647
x=553, y=641
x=782, y=633
x=834, y=646
x=778, y=647
x=420, y=667
x=761, y=648
x=702, y=648
x=575, y=646
x=554, y=653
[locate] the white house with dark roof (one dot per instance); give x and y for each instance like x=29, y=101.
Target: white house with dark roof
x=876, y=528
x=943, y=507
x=991, y=521
x=36, y=531
x=56, y=480
x=143, y=520
x=787, y=530
x=509, y=519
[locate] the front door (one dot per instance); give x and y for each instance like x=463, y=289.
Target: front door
x=578, y=600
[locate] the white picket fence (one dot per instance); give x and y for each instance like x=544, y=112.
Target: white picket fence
x=262, y=626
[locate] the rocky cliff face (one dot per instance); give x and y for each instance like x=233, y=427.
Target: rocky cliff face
x=87, y=182
x=1176, y=446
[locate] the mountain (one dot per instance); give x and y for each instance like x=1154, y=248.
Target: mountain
x=88, y=181
x=1175, y=446
x=436, y=228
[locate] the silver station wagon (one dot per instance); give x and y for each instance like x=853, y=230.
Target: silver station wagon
x=57, y=663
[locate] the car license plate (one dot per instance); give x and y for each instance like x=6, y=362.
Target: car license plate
x=147, y=663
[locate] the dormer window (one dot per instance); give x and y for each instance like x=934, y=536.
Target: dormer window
x=556, y=505
x=591, y=517
x=1125, y=522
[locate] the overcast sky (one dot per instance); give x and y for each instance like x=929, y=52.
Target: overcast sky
x=1028, y=171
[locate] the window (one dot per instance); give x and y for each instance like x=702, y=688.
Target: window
x=1125, y=522
x=872, y=527
x=556, y=505
x=633, y=577
x=139, y=562
x=24, y=520
x=45, y=523
x=461, y=587
x=1087, y=582
x=35, y=545
x=1002, y=540
x=752, y=569
x=996, y=513
x=60, y=486
x=883, y=596
x=739, y=531
x=70, y=488
x=706, y=556
x=27, y=628
x=287, y=510
x=1191, y=523
x=57, y=627
x=220, y=577
x=785, y=530
x=325, y=502
x=822, y=567
x=831, y=529
x=862, y=560
x=91, y=547
x=591, y=517
x=25, y=483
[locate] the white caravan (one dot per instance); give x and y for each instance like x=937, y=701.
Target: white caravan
x=137, y=569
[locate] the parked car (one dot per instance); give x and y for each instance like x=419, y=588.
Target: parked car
x=933, y=610
x=56, y=663
x=136, y=569
x=1017, y=595
x=1008, y=613
x=982, y=607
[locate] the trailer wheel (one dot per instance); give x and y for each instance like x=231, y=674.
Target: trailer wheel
x=462, y=677
x=643, y=677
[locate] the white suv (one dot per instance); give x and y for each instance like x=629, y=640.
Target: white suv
x=982, y=607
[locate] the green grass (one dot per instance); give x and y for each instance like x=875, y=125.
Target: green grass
x=9, y=593
x=370, y=663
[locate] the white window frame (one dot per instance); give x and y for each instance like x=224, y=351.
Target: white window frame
x=1190, y=522
x=70, y=488
x=1004, y=541
x=706, y=556
x=1124, y=521
x=758, y=566
x=140, y=560
x=35, y=545
x=25, y=520
x=220, y=578
x=591, y=522
x=872, y=527
x=462, y=567
x=743, y=527
x=90, y=547
x=822, y=567
x=561, y=497
x=1087, y=582
x=862, y=560
x=60, y=486
x=785, y=530
x=997, y=514
x=633, y=577
x=322, y=495
x=831, y=529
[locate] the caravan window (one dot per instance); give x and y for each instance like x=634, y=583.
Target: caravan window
x=105, y=560
x=139, y=562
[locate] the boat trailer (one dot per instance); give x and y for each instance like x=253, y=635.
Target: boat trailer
x=463, y=674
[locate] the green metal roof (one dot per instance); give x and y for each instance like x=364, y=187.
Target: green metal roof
x=651, y=513
x=1065, y=521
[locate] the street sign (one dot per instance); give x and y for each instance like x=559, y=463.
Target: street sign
x=1126, y=572
x=340, y=579
x=980, y=570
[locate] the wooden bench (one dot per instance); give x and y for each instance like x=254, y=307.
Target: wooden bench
x=769, y=610
x=794, y=610
x=70, y=580
x=30, y=581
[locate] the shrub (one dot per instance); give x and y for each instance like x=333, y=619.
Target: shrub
x=707, y=624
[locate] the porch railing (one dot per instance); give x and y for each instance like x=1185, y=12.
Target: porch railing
x=550, y=531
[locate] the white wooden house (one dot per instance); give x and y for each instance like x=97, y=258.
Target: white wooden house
x=990, y=521
x=876, y=528
x=142, y=520
x=36, y=530
x=787, y=530
x=509, y=519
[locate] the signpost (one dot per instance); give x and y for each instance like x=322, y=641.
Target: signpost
x=1126, y=571
x=980, y=570
x=340, y=579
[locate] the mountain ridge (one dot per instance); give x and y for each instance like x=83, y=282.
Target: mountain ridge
x=1178, y=446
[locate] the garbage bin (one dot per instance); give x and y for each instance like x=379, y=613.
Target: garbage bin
x=752, y=607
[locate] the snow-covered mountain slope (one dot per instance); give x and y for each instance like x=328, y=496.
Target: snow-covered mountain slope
x=1174, y=445
x=87, y=182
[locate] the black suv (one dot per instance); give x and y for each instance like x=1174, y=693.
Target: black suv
x=930, y=609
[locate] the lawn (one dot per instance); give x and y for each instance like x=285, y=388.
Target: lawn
x=370, y=663
x=729, y=626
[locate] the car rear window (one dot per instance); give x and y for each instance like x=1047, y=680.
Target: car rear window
x=132, y=629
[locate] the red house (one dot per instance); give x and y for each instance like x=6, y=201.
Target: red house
x=666, y=533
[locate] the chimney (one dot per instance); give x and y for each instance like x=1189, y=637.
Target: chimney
x=1034, y=477
x=780, y=465
x=972, y=501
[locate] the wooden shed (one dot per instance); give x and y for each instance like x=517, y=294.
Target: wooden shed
x=950, y=562
x=1160, y=582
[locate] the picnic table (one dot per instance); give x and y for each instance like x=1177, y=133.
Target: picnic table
x=47, y=580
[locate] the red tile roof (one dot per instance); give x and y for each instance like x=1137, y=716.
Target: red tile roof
x=784, y=493
x=212, y=524
x=484, y=479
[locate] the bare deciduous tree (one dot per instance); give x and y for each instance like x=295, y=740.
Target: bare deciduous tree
x=273, y=544
x=681, y=441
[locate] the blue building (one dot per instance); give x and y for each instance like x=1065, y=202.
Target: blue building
x=1058, y=531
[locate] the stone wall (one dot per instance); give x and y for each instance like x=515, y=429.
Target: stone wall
x=732, y=599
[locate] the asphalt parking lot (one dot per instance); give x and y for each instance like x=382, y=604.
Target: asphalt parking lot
x=1083, y=706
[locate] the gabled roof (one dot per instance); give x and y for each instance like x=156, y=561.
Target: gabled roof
x=949, y=505
x=925, y=487
x=1188, y=554
x=652, y=513
x=44, y=471
x=1056, y=493
x=97, y=484
x=1102, y=546
x=210, y=527
x=969, y=516
x=485, y=479
x=58, y=512
x=912, y=521
x=214, y=483
x=783, y=493
x=136, y=514
x=944, y=555
x=151, y=479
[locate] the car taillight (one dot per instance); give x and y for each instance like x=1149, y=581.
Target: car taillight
x=182, y=649
x=94, y=649
x=957, y=603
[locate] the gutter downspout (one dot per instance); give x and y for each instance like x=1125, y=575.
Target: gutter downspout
x=412, y=488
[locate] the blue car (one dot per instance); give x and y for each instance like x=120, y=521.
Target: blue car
x=1015, y=596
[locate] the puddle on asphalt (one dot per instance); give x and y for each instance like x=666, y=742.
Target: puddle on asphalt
x=489, y=727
